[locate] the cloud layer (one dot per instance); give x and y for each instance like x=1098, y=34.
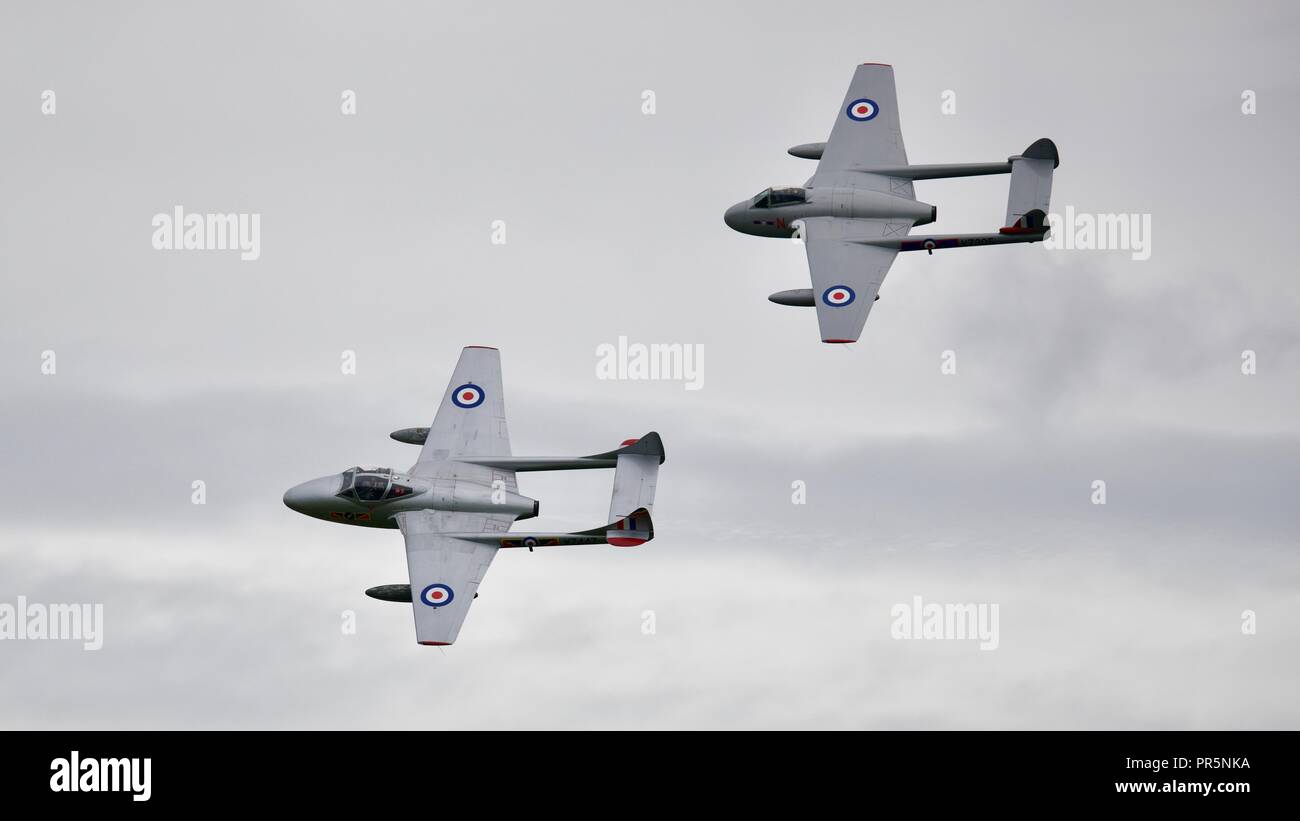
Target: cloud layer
x=1072, y=367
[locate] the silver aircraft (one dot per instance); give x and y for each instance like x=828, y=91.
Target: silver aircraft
x=857, y=211
x=456, y=504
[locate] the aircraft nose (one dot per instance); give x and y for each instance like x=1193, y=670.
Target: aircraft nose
x=296, y=497
x=313, y=498
x=732, y=216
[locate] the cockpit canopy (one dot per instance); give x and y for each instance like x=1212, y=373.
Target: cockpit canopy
x=372, y=485
x=775, y=197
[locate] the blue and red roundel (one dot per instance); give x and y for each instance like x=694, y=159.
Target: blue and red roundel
x=862, y=110
x=437, y=595
x=468, y=395
x=837, y=296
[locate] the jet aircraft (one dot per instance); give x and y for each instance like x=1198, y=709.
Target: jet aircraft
x=456, y=505
x=857, y=211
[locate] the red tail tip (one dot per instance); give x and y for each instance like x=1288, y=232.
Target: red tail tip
x=621, y=541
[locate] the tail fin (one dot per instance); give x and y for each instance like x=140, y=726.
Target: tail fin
x=1031, y=187
x=635, y=477
x=631, y=531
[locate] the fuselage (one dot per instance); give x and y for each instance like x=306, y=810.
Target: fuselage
x=369, y=497
x=773, y=212
x=372, y=497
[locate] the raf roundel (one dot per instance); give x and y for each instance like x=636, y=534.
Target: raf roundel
x=468, y=395
x=862, y=110
x=437, y=595
x=837, y=296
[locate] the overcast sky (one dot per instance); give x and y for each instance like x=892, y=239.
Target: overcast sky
x=1072, y=366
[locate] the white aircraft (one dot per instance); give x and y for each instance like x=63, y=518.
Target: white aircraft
x=455, y=506
x=856, y=213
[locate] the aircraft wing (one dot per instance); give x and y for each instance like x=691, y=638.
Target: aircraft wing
x=847, y=274
x=445, y=571
x=866, y=135
x=471, y=421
